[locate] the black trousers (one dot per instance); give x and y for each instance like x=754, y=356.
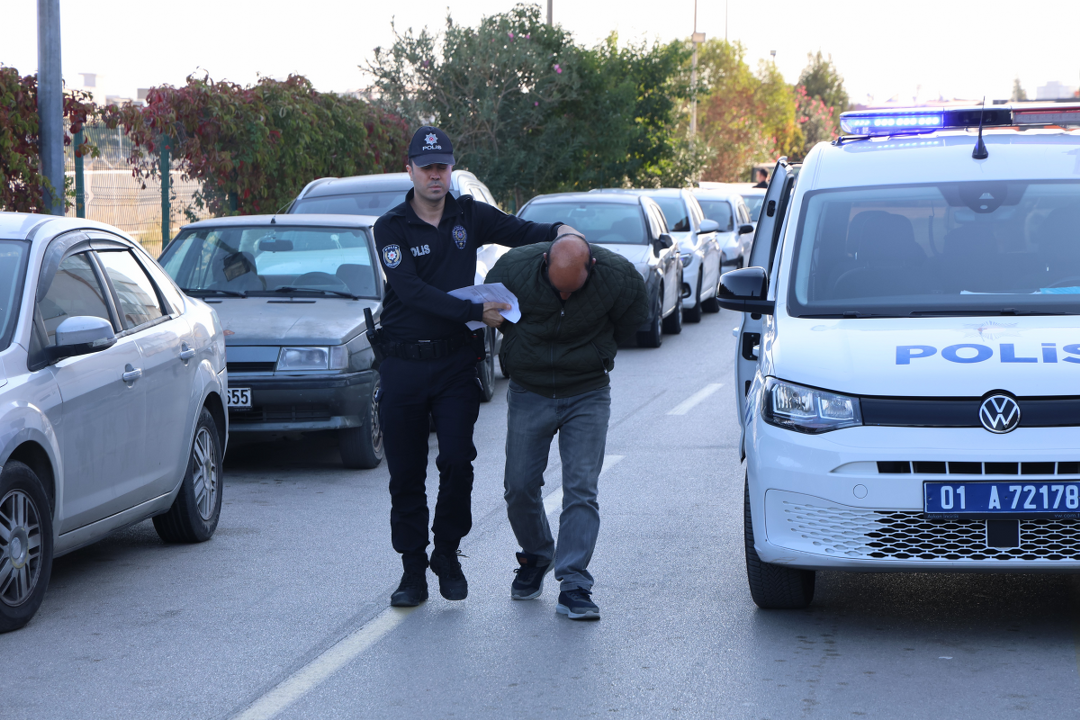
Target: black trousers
x=449, y=390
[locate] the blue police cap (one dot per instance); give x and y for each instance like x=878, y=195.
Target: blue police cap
x=431, y=146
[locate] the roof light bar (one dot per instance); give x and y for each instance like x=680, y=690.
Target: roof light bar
x=922, y=120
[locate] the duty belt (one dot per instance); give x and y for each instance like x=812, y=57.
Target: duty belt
x=427, y=349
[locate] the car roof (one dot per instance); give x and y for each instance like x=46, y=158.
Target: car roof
x=944, y=156
x=299, y=220
x=34, y=226
x=592, y=197
x=382, y=182
x=648, y=192
x=716, y=193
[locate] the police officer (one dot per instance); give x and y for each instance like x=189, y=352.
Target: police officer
x=427, y=246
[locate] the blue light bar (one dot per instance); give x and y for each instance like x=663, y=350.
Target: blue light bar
x=889, y=122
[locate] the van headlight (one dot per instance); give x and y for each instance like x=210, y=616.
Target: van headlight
x=313, y=358
x=808, y=410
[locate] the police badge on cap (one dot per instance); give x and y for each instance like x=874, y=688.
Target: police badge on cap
x=431, y=146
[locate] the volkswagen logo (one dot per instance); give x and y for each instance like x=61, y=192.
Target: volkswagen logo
x=999, y=414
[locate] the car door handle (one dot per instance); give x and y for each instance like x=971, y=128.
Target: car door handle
x=131, y=374
x=186, y=353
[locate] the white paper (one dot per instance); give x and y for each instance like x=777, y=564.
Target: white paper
x=494, y=292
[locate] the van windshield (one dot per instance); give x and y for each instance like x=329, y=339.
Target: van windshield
x=979, y=248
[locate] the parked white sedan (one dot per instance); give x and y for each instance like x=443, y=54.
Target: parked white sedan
x=111, y=410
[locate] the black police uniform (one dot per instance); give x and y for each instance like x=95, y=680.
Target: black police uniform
x=430, y=364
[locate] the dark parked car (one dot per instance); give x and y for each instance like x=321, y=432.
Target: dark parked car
x=633, y=226
x=374, y=195
x=291, y=291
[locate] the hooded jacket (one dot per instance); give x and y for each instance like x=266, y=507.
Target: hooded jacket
x=562, y=348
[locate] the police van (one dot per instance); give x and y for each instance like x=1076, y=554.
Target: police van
x=908, y=360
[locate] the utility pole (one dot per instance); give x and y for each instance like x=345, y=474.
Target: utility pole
x=50, y=88
x=697, y=38
x=549, y=12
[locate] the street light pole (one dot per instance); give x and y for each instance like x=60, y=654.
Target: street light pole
x=549, y=13
x=50, y=90
x=697, y=38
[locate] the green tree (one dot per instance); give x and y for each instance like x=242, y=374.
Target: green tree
x=822, y=80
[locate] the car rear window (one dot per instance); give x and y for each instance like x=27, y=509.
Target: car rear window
x=600, y=222
x=372, y=203
x=987, y=247
x=12, y=270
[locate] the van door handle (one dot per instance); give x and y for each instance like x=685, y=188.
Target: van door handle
x=186, y=353
x=131, y=374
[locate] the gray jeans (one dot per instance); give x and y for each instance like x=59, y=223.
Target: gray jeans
x=582, y=422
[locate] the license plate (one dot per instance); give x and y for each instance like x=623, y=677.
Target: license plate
x=1002, y=499
x=238, y=397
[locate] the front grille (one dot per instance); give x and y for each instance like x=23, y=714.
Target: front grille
x=250, y=367
x=964, y=412
x=1049, y=467
x=908, y=535
x=280, y=413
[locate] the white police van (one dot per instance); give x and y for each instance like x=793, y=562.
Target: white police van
x=909, y=356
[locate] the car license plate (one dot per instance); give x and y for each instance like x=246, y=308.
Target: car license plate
x=997, y=499
x=238, y=397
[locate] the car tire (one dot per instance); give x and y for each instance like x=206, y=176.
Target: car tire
x=773, y=587
x=194, y=514
x=361, y=447
x=26, y=519
x=673, y=322
x=652, y=337
x=485, y=369
x=693, y=315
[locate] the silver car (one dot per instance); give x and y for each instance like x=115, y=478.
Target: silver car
x=112, y=410
x=291, y=291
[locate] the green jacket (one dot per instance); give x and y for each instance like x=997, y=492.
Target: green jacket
x=565, y=348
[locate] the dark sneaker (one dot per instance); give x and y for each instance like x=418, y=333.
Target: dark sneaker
x=576, y=605
x=529, y=582
x=452, y=583
x=411, y=592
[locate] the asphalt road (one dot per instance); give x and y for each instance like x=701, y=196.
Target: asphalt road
x=284, y=612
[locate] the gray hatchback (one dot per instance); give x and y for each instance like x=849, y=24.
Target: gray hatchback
x=291, y=292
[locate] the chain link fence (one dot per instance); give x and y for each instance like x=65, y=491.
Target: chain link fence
x=113, y=195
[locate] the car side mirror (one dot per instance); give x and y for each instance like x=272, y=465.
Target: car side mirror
x=745, y=290
x=747, y=228
x=81, y=335
x=664, y=242
x=708, y=226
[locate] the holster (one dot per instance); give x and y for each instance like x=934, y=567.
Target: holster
x=375, y=339
x=479, y=345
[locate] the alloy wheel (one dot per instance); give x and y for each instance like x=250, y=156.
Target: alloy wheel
x=20, y=548
x=206, y=475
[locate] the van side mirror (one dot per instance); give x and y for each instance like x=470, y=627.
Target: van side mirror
x=747, y=228
x=81, y=335
x=745, y=290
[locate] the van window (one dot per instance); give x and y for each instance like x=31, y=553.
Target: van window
x=975, y=248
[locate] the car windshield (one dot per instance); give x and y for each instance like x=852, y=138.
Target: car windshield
x=753, y=204
x=369, y=203
x=674, y=212
x=720, y=211
x=977, y=248
x=12, y=269
x=600, y=222
x=235, y=260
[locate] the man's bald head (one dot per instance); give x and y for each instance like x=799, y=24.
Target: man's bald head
x=569, y=261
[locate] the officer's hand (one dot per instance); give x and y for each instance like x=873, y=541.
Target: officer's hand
x=492, y=318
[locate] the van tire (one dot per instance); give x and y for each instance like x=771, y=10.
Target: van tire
x=773, y=587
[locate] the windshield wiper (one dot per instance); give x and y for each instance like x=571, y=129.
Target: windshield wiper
x=195, y=292
x=1006, y=312
x=337, y=293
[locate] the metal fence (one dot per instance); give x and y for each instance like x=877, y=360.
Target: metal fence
x=114, y=196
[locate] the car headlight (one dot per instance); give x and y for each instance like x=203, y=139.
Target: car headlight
x=313, y=358
x=808, y=410
x=686, y=258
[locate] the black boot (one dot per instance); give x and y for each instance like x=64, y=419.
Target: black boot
x=411, y=592
x=452, y=583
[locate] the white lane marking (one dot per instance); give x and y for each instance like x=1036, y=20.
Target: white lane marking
x=554, y=499
x=336, y=657
x=688, y=404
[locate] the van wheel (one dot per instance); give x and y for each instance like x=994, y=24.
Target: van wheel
x=194, y=514
x=361, y=447
x=693, y=315
x=26, y=545
x=773, y=587
x=673, y=322
x=652, y=337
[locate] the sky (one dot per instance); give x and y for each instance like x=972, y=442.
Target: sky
x=886, y=50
